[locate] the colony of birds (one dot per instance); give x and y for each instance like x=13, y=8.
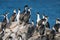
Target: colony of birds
x=19, y=27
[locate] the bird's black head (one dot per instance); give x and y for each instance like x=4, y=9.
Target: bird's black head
x=25, y=6
x=37, y=12
x=19, y=9
x=58, y=19
x=46, y=16
x=32, y=20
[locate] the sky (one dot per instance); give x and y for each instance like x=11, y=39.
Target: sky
x=49, y=7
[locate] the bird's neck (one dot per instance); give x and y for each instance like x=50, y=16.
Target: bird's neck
x=43, y=17
x=38, y=18
x=32, y=23
x=29, y=11
x=53, y=28
x=18, y=15
x=14, y=11
x=57, y=22
x=46, y=19
x=25, y=9
x=7, y=19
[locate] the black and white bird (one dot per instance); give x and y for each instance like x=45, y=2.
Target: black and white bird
x=25, y=8
x=57, y=21
x=23, y=13
x=42, y=30
x=30, y=30
x=57, y=25
x=32, y=23
x=33, y=27
x=13, y=17
x=52, y=35
x=43, y=21
x=18, y=15
x=45, y=17
x=5, y=21
x=27, y=16
x=38, y=19
x=46, y=22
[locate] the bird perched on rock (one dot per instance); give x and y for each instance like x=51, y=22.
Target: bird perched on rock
x=47, y=23
x=57, y=25
x=5, y=21
x=23, y=13
x=13, y=17
x=27, y=16
x=38, y=19
x=18, y=15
